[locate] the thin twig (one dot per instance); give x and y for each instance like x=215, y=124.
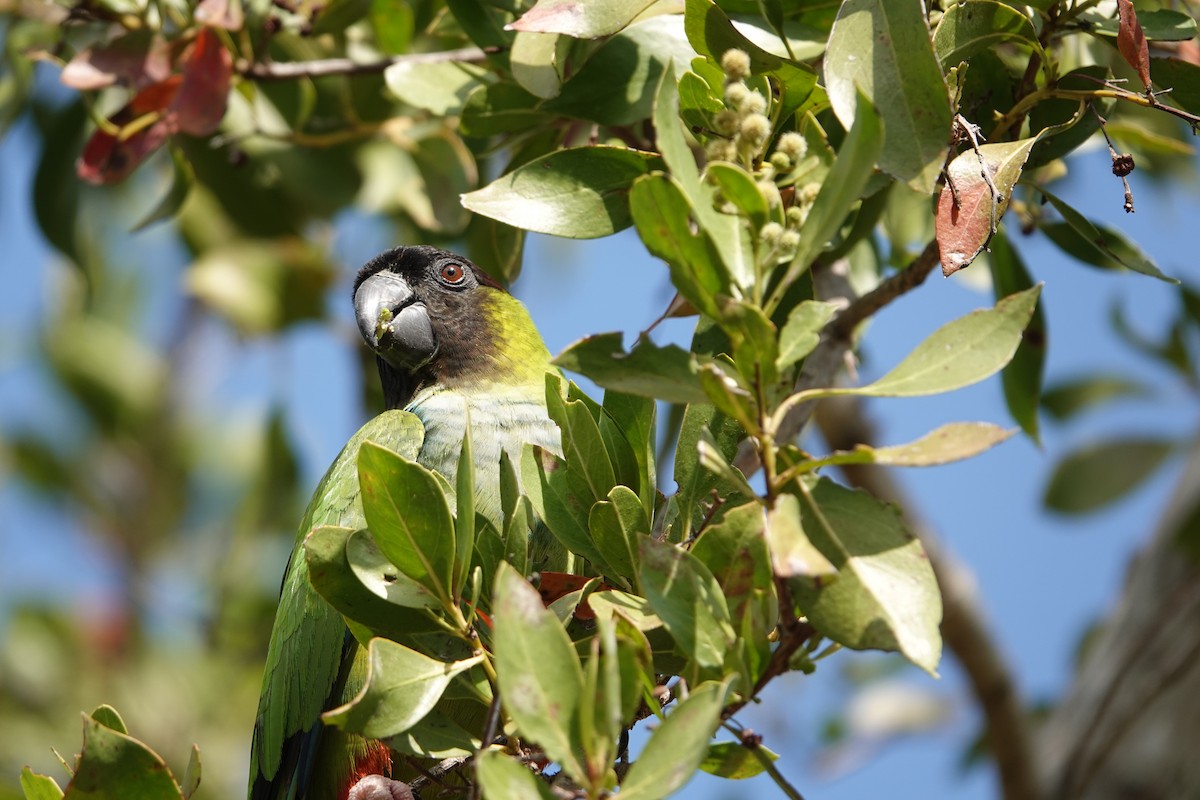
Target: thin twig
x=291, y=70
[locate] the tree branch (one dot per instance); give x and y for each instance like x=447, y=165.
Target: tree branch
x=321, y=68
x=964, y=629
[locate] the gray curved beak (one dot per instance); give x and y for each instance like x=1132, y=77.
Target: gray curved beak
x=393, y=321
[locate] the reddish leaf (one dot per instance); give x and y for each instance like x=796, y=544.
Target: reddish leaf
x=109, y=158
x=964, y=228
x=137, y=59
x=220, y=14
x=207, y=70
x=554, y=585
x=1132, y=42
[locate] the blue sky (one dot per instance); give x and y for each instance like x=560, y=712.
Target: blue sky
x=1042, y=578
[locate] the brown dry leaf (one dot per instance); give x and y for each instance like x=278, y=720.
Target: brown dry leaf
x=1131, y=41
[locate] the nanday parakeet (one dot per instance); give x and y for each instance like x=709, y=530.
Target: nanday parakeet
x=451, y=344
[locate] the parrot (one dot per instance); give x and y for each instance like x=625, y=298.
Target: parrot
x=451, y=345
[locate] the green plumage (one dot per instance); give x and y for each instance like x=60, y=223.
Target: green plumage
x=480, y=359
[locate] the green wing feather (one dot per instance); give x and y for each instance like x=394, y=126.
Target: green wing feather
x=310, y=644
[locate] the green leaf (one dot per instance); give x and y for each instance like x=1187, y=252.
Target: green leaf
x=735, y=761
x=695, y=482
x=738, y=187
x=632, y=418
x=441, y=88
x=1069, y=398
x=582, y=445
x=1063, y=124
x=409, y=519
x=1099, y=245
x=55, y=186
x=802, y=331
x=401, y=687
x=464, y=518
x=182, y=178
x=579, y=193
x=615, y=525
x=500, y=108
x=792, y=553
x=503, y=778
x=735, y=551
x=711, y=33
x=39, y=787
x=617, y=84
x=111, y=759
x=968, y=216
x=107, y=716
x=715, y=461
x=1095, y=476
x=664, y=373
x=720, y=231
x=882, y=49
x=959, y=353
x=677, y=747
x=1022, y=377
x=435, y=736
x=580, y=20
x=535, y=63
x=729, y=396
x=662, y=212
x=393, y=24
x=1159, y=25
x=1181, y=77
x=885, y=596
x=842, y=187
x=636, y=609
x=347, y=569
x=191, y=774
x=687, y=598
x=969, y=28
x=754, y=338
x=540, y=676
x=497, y=247
x=949, y=443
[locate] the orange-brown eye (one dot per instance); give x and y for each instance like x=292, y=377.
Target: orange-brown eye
x=453, y=273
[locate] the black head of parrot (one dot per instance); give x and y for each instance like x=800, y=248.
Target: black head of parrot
x=433, y=317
